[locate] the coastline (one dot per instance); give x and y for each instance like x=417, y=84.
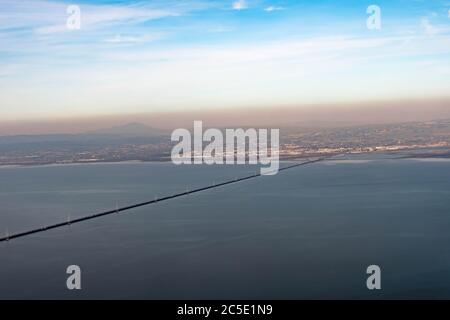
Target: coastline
x=401, y=153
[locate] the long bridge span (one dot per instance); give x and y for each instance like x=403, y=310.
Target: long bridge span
x=11, y=236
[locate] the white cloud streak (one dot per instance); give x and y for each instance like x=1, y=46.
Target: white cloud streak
x=119, y=39
x=273, y=8
x=46, y=17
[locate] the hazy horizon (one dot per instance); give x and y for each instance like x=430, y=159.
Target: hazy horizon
x=381, y=112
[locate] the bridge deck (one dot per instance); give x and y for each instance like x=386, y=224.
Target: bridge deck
x=141, y=204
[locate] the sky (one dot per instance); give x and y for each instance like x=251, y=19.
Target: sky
x=175, y=56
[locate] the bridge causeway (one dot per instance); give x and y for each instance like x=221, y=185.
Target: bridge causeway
x=8, y=237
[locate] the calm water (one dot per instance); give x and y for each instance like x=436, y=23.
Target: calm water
x=308, y=232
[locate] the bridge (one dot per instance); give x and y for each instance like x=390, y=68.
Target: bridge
x=8, y=236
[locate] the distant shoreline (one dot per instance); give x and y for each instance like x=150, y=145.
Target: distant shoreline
x=79, y=163
x=430, y=155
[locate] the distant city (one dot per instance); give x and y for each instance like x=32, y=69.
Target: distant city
x=138, y=142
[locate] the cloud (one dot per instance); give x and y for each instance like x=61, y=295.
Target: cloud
x=134, y=39
x=308, y=49
x=427, y=27
x=48, y=17
x=273, y=8
x=240, y=5
x=278, y=72
x=111, y=65
x=103, y=16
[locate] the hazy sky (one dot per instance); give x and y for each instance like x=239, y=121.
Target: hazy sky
x=159, y=56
